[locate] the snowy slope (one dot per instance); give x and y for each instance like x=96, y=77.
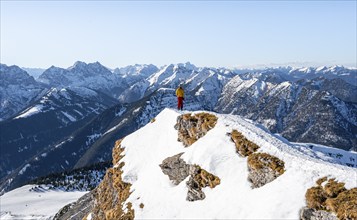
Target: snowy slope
x=215, y=152
x=301, y=111
x=28, y=202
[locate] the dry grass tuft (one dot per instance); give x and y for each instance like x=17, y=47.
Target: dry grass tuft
x=117, y=150
x=259, y=161
x=344, y=205
x=192, y=127
x=112, y=192
x=152, y=120
x=204, y=178
x=333, y=188
x=333, y=197
x=141, y=205
x=244, y=147
x=321, y=180
x=315, y=198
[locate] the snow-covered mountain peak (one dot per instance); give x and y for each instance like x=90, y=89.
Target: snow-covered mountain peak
x=14, y=75
x=186, y=65
x=142, y=167
x=78, y=65
x=142, y=70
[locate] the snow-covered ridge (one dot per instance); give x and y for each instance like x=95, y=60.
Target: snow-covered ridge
x=153, y=195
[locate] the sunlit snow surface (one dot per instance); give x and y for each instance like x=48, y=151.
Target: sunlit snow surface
x=233, y=198
x=29, y=203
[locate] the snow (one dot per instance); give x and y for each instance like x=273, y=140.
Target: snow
x=70, y=117
x=92, y=138
x=24, y=203
x=32, y=111
x=23, y=170
x=215, y=152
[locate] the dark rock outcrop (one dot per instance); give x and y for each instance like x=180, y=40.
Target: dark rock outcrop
x=76, y=210
x=192, y=127
x=313, y=214
x=199, y=179
x=176, y=168
x=264, y=168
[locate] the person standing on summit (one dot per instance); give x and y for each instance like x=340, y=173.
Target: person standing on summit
x=180, y=97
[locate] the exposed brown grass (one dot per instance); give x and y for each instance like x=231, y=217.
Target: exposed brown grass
x=192, y=127
x=152, y=120
x=315, y=198
x=344, y=205
x=116, y=152
x=141, y=205
x=333, y=188
x=333, y=196
x=321, y=180
x=204, y=178
x=259, y=161
x=112, y=192
x=244, y=147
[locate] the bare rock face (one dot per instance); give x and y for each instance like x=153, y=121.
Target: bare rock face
x=199, y=179
x=192, y=127
x=264, y=168
x=244, y=147
x=194, y=190
x=332, y=197
x=77, y=210
x=176, y=168
x=111, y=194
x=313, y=214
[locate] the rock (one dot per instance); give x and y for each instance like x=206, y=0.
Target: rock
x=76, y=210
x=176, y=168
x=263, y=168
x=313, y=214
x=192, y=127
x=111, y=194
x=199, y=179
x=194, y=190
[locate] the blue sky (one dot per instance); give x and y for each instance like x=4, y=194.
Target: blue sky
x=213, y=33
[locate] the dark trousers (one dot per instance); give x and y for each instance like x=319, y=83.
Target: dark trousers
x=179, y=103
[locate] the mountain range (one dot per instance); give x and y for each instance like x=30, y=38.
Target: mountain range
x=70, y=118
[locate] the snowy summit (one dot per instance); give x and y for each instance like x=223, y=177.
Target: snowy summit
x=204, y=165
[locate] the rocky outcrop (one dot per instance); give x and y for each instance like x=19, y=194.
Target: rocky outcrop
x=192, y=127
x=176, y=168
x=313, y=214
x=244, y=147
x=199, y=179
x=111, y=194
x=76, y=210
x=331, y=197
x=263, y=168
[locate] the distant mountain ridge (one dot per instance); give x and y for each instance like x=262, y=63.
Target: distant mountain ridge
x=98, y=106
